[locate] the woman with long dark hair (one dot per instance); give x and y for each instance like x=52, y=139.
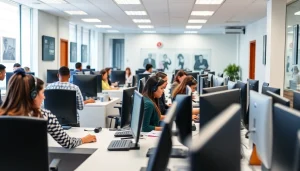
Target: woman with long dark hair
x=128, y=76
x=179, y=77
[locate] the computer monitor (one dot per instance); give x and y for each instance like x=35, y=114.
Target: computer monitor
x=296, y=100
x=211, y=72
x=137, y=118
x=87, y=84
x=203, y=83
x=210, y=79
x=271, y=89
x=188, y=90
x=278, y=99
x=118, y=76
x=140, y=71
x=260, y=126
x=218, y=145
x=10, y=74
x=253, y=85
x=194, y=74
x=99, y=83
x=140, y=76
x=88, y=71
x=158, y=161
x=52, y=76
x=297, y=153
x=214, y=103
x=231, y=85
x=285, y=128
x=184, y=117
x=141, y=85
x=243, y=101
x=214, y=89
x=127, y=103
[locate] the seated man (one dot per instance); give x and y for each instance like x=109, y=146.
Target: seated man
x=149, y=68
x=63, y=84
x=78, y=67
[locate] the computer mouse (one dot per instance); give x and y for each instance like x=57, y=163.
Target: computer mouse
x=98, y=129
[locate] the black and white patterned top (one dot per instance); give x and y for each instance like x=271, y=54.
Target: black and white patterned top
x=58, y=134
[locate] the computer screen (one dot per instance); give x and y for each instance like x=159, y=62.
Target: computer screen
x=87, y=84
x=140, y=71
x=194, y=74
x=214, y=103
x=52, y=76
x=296, y=100
x=184, y=116
x=285, y=128
x=118, y=76
x=137, y=116
x=203, y=83
x=214, y=89
x=218, y=145
x=278, y=99
x=243, y=100
x=260, y=126
x=141, y=85
x=99, y=83
x=212, y=72
x=127, y=103
x=88, y=71
x=140, y=76
x=159, y=160
x=271, y=89
x=10, y=74
x=253, y=85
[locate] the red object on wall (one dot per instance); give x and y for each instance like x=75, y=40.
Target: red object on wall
x=159, y=44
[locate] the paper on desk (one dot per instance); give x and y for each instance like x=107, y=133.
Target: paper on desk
x=154, y=134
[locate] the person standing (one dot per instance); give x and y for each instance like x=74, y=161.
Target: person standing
x=149, y=60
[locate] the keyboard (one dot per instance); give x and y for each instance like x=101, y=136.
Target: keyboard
x=123, y=134
x=119, y=145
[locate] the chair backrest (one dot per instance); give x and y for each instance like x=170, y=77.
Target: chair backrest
x=24, y=144
x=62, y=103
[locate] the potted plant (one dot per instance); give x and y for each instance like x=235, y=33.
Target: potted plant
x=232, y=71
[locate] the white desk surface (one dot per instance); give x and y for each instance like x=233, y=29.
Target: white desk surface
x=102, y=159
x=99, y=103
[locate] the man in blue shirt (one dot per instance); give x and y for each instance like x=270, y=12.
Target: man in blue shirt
x=78, y=67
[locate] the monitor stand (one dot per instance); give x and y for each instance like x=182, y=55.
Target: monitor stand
x=145, y=169
x=175, y=153
x=134, y=146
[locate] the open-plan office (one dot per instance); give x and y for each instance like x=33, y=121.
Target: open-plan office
x=149, y=85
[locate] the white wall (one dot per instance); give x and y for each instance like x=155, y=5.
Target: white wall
x=223, y=47
x=254, y=31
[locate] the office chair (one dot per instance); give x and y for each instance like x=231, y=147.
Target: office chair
x=62, y=103
x=24, y=144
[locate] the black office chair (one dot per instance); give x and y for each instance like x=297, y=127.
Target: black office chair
x=24, y=144
x=62, y=103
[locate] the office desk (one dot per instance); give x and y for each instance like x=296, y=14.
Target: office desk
x=95, y=114
x=115, y=93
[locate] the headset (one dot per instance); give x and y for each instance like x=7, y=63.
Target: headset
x=33, y=91
x=154, y=89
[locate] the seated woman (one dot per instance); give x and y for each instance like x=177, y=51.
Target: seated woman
x=128, y=76
x=153, y=90
x=105, y=85
x=24, y=98
x=179, y=77
x=181, y=89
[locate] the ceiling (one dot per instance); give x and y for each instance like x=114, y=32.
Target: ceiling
x=167, y=16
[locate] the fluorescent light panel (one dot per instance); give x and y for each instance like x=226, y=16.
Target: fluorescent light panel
x=197, y=21
x=103, y=26
x=297, y=13
x=91, y=20
x=190, y=32
x=53, y=1
x=145, y=26
x=76, y=12
x=128, y=2
x=113, y=31
x=149, y=31
x=209, y=1
x=141, y=21
x=136, y=12
x=202, y=13
x=193, y=27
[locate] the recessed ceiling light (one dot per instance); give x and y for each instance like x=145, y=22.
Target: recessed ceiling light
x=149, y=31
x=202, y=13
x=91, y=20
x=197, y=21
x=76, y=12
x=193, y=27
x=103, y=26
x=297, y=13
x=289, y=26
x=113, y=31
x=128, y=2
x=136, y=12
x=209, y=1
x=141, y=21
x=53, y=1
x=145, y=26
x=190, y=32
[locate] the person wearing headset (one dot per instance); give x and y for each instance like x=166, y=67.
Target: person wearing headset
x=181, y=89
x=152, y=91
x=25, y=95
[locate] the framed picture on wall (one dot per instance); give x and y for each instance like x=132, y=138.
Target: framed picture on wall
x=8, y=49
x=264, y=49
x=83, y=53
x=73, y=52
x=48, y=48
